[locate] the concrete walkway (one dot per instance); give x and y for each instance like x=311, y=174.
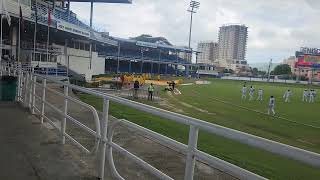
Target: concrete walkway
x=30, y=151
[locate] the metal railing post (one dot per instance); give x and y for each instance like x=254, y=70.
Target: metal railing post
x=44, y=84
x=33, y=94
x=18, y=86
x=22, y=81
x=64, y=119
x=192, y=147
x=30, y=89
x=103, y=145
x=25, y=98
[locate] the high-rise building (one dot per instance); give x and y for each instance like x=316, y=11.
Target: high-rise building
x=208, y=52
x=232, y=46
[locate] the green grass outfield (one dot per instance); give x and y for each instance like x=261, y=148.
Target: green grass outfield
x=220, y=103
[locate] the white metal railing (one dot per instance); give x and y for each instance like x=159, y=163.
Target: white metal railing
x=106, y=145
x=142, y=94
x=52, y=71
x=271, y=80
x=27, y=95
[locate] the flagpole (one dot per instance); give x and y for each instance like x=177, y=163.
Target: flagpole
x=48, y=47
x=48, y=37
x=1, y=40
x=19, y=40
x=35, y=36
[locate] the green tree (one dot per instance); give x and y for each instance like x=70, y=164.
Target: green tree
x=262, y=73
x=282, y=69
x=255, y=71
x=228, y=71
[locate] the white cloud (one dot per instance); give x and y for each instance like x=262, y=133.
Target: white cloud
x=276, y=28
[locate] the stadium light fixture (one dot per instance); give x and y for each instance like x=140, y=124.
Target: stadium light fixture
x=194, y=5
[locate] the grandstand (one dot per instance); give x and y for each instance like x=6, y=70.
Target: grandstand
x=143, y=57
x=75, y=46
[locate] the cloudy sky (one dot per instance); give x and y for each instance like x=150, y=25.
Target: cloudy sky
x=276, y=27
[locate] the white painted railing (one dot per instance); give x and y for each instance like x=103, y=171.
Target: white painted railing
x=105, y=136
x=266, y=80
x=27, y=95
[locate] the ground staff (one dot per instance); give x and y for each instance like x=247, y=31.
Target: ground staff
x=150, y=92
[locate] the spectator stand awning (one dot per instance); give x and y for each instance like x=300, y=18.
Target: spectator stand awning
x=104, y=1
x=152, y=45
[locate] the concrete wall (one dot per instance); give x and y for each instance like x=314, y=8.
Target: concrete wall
x=79, y=61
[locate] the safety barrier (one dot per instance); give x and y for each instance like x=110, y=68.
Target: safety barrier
x=104, y=136
x=142, y=94
x=52, y=71
x=27, y=95
x=271, y=80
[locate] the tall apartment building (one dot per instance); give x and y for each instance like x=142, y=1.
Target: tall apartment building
x=208, y=52
x=232, y=46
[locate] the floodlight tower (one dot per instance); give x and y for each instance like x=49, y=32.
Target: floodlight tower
x=194, y=5
x=269, y=70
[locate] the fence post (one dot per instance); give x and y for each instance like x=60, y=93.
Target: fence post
x=192, y=147
x=64, y=119
x=44, y=84
x=33, y=94
x=103, y=145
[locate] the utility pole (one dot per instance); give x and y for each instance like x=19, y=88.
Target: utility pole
x=194, y=5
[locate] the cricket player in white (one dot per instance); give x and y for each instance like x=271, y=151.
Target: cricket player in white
x=251, y=93
x=260, y=95
x=287, y=95
x=244, y=92
x=311, y=96
x=271, y=105
x=305, y=96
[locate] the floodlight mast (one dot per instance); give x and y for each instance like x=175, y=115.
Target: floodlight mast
x=194, y=5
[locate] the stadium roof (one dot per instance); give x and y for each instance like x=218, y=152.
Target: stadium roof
x=104, y=1
x=152, y=45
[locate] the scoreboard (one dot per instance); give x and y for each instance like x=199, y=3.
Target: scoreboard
x=308, y=57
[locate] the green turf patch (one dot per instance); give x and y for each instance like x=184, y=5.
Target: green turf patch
x=294, y=126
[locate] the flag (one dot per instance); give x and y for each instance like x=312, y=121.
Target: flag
x=49, y=16
x=36, y=12
x=48, y=36
x=4, y=11
x=35, y=30
x=21, y=20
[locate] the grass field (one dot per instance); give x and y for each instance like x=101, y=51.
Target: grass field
x=220, y=103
